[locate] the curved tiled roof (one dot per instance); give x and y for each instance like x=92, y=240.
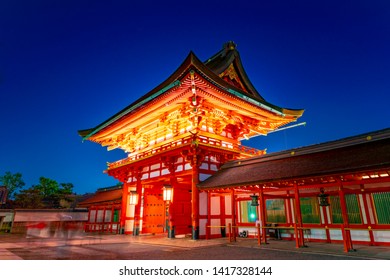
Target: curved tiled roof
x=364, y=152
x=110, y=196
x=210, y=70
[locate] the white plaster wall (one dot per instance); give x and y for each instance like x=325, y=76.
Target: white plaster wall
x=215, y=205
x=335, y=234
x=203, y=203
x=228, y=205
x=316, y=234
x=360, y=235
x=215, y=230
x=92, y=216
x=130, y=210
x=202, y=226
x=381, y=236
x=227, y=221
x=108, y=216
x=129, y=225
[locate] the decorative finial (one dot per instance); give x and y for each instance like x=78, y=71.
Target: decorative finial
x=229, y=46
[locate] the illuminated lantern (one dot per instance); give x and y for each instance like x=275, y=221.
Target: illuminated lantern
x=133, y=198
x=167, y=193
x=255, y=200
x=324, y=198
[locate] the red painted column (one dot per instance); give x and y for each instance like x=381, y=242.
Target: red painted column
x=112, y=218
x=137, y=208
x=104, y=219
x=96, y=223
x=324, y=210
x=171, y=221
x=222, y=215
x=208, y=229
x=290, y=211
x=263, y=211
x=125, y=196
x=344, y=212
x=299, y=241
x=87, y=225
x=195, y=199
x=367, y=211
x=233, y=216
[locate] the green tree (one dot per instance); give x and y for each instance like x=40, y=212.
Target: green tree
x=55, y=195
x=47, y=194
x=13, y=182
x=47, y=187
x=29, y=199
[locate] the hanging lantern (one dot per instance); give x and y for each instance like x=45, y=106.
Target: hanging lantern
x=255, y=200
x=167, y=193
x=133, y=198
x=324, y=198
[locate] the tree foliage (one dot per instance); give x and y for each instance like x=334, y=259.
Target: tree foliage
x=29, y=199
x=47, y=194
x=13, y=182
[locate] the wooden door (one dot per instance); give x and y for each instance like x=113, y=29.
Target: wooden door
x=154, y=216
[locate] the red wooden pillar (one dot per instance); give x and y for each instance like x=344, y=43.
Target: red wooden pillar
x=344, y=228
x=326, y=222
x=367, y=211
x=104, y=218
x=222, y=215
x=125, y=198
x=195, y=199
x=208, y=228
x=88, y=224
x=96, y=227
x=233, y=201
x=170, y=163
x=171, y=221
x=112, y=218
x=290, y=210
x=263, y=212
x=299, y=240
x=137, y=207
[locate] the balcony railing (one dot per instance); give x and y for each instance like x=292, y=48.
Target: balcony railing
x=186, y=141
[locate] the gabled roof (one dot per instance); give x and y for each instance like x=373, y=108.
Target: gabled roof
x=210, y=71
x=104, y=196
x=227, y=65
x=360, y=153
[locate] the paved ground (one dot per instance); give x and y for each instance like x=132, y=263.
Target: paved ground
x=124, y=247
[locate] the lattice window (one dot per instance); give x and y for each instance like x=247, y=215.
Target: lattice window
x=353, y=209
x=310, y=210
x=248, y=212
x=275, y=211
x=382, y=207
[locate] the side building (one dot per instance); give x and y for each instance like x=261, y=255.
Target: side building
x=334, y=192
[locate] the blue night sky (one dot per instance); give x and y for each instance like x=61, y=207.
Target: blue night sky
x=70, y=65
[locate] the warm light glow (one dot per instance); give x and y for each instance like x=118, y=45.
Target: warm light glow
x=167, y=193
x=133, y=198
